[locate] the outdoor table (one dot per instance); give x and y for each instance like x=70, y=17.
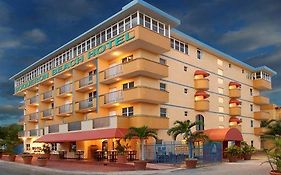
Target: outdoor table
x=112, y=155
x=99, y=155
x=79, y=154
x=132, y=155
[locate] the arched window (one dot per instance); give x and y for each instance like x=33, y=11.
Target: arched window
x=200, y=118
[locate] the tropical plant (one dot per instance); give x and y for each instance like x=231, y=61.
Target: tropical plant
x=9, y=137
x=274, y=128
x=246, y=148
x=185, y=128
x=142, y=133
x=120, y=148
x=233, y=151
x=274, y=155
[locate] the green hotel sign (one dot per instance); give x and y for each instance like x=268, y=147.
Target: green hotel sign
x=92, y=53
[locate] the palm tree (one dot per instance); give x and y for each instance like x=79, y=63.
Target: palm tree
x=141, y=133
x=184, y=128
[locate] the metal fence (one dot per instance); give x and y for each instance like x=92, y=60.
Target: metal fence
x=177, y=152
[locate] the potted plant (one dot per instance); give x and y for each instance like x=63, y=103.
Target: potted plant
x=233, y=153
x=274, y=157
x=247, y=151
x=142, y=133
x=184, y=128
x=47, y=151
x=27, y=158
x=121, y=152
x=42, y=160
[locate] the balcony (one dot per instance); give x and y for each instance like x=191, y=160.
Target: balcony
x=65, y=90
x=235, y=110
x=262, y=84
x=261, y=115
x=33, y=101
x=136, y=94
x=47, y=96
x=201, y=84
x=201, y=105
x=260, y=131
x=155, y=122
x=86, y=83
x=22, y=134
x=261, y=100
x=64, y=110
x=33, y=118
x=235, y=93
x=86, y=106
x=135, y=67
x=35, y=132
x=47, y=114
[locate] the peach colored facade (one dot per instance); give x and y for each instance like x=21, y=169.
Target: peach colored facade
x=147, y=77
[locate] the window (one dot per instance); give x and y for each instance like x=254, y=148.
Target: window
x=229, y=65
x=147, y=22
x=154, y=26
x=220, y=71
x=163, y=112
x=162, y=87
x=121, y=27
x=185, y=90
x=252, y=123
x=200, y=118
x=129, y=111
x=220, y=100
x=54, y=147
x=162, y=61
x=128, y=85
x=185, y=113
x=127, y=23
x=221, y=109
x=251, y=107
x=243, y=71
x=220, y=62
x=92, y=95
x=127, y=59
x=252, y=143
x=27, y=147
x=72, y=147
x=199, y=54
x=220, y=90
x=251, y=92
x=185, y=68
x=220, y=80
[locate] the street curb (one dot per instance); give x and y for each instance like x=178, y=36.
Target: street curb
x=48, y=171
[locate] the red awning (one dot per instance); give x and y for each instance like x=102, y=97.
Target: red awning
x=235, y=84
x=83, y=135
x=224, y=134
x=202, y=93
x=235, y=119
x=237, y=102
x=201, y=72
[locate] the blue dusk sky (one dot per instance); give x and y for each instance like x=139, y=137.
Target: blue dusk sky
x=245, y=29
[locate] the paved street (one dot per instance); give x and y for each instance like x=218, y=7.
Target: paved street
x=252, y=167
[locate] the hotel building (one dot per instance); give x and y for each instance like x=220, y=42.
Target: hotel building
x=135, y=69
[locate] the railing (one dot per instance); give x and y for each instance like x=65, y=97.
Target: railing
x=48, y=94
x=101, y=122
x=113, y=97
x=34, y=132
x=65, y=88
x=67, y=108
x=34, y=116
x=22, y=134
x=88, y=103
x=113, y=71
x=34, y=99
x=87, y=81
x=74, y=126
x=53, y=128
x=48, y=112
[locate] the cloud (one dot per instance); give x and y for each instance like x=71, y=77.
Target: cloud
x=9, y=114
x=35, y=35
x=8, y=44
